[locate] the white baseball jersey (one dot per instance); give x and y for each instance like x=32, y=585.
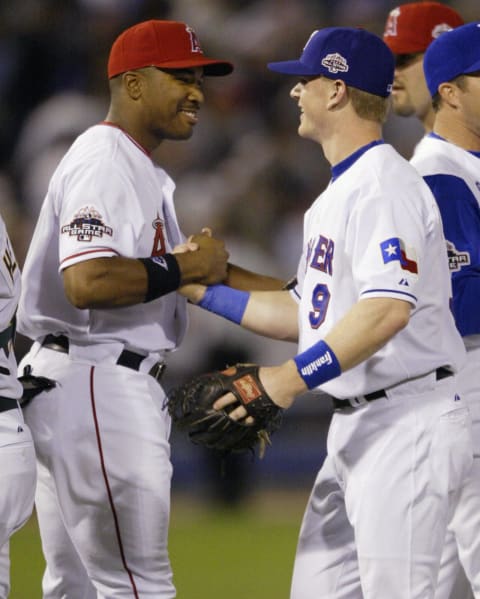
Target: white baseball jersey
x=369, y=235
x=453, y=175
x=17, y=456
x=98, y=207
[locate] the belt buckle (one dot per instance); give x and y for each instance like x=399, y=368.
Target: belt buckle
x=157, y=370
x=357, y=401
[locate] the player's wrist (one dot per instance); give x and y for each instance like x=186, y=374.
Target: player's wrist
x=225, y=301
x=163, y=275
x=317, y=365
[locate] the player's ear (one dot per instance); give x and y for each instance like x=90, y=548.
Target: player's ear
x=133, y=83
x=337, y=94
x=449, y=92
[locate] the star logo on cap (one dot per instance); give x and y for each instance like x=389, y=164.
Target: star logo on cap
x=335, y=63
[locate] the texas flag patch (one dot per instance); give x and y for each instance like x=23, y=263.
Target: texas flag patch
x=394, y=249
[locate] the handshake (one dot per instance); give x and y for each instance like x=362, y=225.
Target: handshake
x=202, y=259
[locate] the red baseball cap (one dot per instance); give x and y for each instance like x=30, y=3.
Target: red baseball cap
x=412, y=27
x=164, y=44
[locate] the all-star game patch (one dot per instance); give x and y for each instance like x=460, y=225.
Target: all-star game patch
x=457, y=259
x=87, y=224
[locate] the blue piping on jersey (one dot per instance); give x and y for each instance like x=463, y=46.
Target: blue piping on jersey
x=345, y=164
x=436, y=136
x=414, y=297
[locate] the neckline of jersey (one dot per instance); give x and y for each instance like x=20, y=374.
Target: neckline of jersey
x=115, y=126
x=436, y=136
x=346, y=163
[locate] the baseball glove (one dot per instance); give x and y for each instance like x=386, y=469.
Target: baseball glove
x=191, y=409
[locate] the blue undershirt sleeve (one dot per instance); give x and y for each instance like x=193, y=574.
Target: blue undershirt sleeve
x=460, y=212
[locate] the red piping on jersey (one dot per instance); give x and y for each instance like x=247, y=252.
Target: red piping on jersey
x=139, y=146
x=107, y=486
x=89, y=252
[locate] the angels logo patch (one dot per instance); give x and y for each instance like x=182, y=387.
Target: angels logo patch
x=87, y=224
x=194, y=43
x=159, y=246
x=391, y=26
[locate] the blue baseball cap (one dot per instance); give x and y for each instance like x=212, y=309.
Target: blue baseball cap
x=454, y=53
x=355, y=56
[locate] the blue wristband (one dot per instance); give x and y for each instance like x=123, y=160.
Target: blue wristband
x=318, y=364
x=225, y=301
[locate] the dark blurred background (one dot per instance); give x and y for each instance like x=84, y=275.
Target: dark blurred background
x=245, y=172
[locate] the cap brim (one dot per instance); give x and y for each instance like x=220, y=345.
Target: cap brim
x=293, y=67
x=434, y=80
x=211, y=67
x=475, y=67
x=405, y=47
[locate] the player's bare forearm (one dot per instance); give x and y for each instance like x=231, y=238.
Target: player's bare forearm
x=241, y=278
x=366, y=328
x=272, y=314
x=105, y=283
x=361, y=333
x=238, y=277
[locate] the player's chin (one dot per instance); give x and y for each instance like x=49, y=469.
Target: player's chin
x=181, y=133
x=401, y=108
x=303, y=131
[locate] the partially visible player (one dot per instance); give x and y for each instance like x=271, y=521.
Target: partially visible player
x=371, y=313
x=449, y=160
x=409, y=30
x=17, y=456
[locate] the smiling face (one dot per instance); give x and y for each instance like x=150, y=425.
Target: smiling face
x=311, y=95
x=171, y=101
x=153, y=104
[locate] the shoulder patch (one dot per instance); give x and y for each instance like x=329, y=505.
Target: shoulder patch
x=394, y=249
x=87, y=224
x=456, y=259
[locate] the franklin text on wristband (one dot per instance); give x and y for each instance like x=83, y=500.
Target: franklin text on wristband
x=318, y=364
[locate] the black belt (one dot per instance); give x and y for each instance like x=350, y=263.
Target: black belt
x=440, y=373
x=7, y=403
x=127, y=358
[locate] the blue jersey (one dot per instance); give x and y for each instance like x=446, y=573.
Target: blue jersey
x=453, y=175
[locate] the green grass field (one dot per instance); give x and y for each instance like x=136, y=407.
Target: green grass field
x=215, y=554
